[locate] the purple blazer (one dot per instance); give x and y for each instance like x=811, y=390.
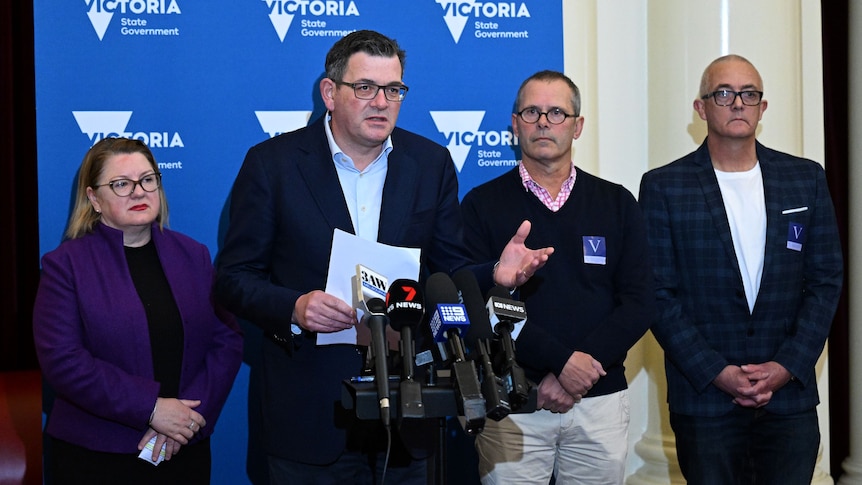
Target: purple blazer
x=92, y=339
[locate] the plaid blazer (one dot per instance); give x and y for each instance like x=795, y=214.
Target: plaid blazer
x=703, y=321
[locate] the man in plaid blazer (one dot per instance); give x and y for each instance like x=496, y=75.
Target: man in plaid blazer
x=748, y=272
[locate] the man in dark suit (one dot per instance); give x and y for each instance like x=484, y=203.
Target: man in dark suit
x=350, y=170
x=748, y=272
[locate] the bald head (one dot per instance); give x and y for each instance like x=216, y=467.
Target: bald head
x=706, y=81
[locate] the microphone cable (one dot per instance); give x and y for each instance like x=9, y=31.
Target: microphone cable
x=388, y=451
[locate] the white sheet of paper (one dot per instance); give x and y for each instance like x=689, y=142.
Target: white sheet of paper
x=348, y=250
x=147, y=453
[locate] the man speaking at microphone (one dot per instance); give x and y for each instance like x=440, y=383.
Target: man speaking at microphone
x=353, y=170
x=585, y=308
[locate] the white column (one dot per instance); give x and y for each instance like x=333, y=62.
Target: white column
x=852, y=465
x=657, y=447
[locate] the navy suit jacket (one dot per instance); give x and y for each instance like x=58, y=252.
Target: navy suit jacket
x=703, y=321
x=285, y=205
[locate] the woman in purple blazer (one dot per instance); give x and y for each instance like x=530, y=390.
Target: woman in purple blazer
x=127, y=334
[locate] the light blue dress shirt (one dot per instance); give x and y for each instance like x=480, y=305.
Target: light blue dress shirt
x=363, y=190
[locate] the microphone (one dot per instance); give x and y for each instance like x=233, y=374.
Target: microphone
x=471, y=296
x=376, y=320
x=367, y=284
x=505, y=315
x=404, y=306
x=448, y=321
x=478, y=337
x=493, y=390
x=449, y=317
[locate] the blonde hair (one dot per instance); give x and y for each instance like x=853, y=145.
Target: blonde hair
x=84, y=216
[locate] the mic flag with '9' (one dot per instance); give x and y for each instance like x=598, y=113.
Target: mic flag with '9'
x=447, y=323
x=405, y=308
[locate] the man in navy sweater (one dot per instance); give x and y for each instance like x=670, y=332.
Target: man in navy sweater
x=585, y=308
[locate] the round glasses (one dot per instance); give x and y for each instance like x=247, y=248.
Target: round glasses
x=125, y=187
x=726, y=97
x=555, y=116
x=393, y=92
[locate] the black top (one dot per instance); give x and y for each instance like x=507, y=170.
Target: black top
x=163, y=316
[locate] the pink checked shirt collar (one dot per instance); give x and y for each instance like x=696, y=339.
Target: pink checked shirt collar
x=542, y=194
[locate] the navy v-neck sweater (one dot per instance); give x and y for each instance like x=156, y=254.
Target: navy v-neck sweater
x=584, y=299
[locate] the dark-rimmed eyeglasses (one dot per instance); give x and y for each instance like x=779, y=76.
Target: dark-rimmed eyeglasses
x=125, y=187
x=726, y=97
x=555, y=116
x=393, y=92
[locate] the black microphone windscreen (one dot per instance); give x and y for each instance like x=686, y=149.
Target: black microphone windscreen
x=471, y=296
x=405, y=304
x=376, y=305
x=440, y=289
x=499, y=292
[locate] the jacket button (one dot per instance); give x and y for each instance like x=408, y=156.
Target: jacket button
x=750, y=332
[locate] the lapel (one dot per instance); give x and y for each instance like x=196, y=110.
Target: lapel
x=399, y=191
x=715, y=204
x=318, y=172
x=772, y=189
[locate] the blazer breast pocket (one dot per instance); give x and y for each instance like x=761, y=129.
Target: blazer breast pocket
x=795, y=219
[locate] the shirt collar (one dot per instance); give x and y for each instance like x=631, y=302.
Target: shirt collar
x=530, y=184
x=342, y=159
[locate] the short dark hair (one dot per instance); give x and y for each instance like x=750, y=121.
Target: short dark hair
x=367, y=41
x=549, y=76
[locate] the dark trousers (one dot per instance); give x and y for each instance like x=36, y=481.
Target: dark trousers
x=351, y=468
x=74, y=465
x=747, y=446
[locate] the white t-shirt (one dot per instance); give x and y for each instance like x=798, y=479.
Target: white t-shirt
x=745, y=205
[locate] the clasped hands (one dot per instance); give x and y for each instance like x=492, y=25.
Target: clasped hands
x=579, y=375
x=174, y=423
x=752, y=385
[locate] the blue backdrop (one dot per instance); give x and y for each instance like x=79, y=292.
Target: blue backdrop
x=201, y=82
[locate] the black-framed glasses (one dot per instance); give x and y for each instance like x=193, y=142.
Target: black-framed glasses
x=125, y=187
x=555, y=116
x=393, y=92
x=726, y=97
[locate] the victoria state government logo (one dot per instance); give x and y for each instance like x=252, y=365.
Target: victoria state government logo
x=100, y=13
x=98, y=125
x=274, y=123
x=462, y=130
x=282, y=12
x=456, y=13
